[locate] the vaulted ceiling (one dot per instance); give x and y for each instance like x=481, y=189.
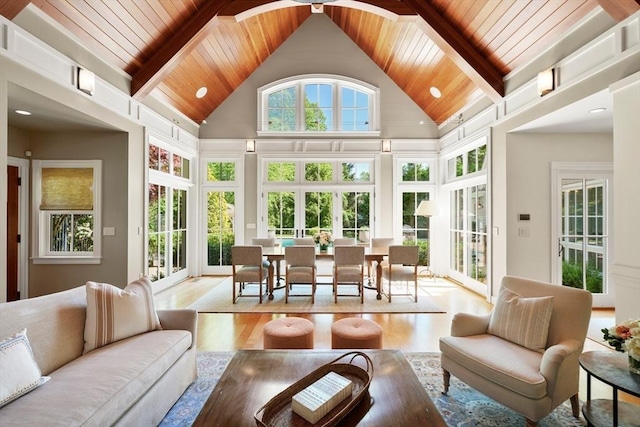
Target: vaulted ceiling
x=171, y=48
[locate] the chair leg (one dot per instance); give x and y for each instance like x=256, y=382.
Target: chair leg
x=575, y=405
x=530, y=423
x=446, y=378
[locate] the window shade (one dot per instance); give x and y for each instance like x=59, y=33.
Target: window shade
x=67, y=189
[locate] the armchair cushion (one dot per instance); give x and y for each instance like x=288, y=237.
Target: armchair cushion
x=524, y=321
x=507, y=364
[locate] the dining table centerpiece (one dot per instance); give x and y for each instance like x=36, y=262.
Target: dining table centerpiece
x=323, y=239
x=625, y=337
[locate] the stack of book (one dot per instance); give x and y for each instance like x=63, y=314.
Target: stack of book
x=315, y=401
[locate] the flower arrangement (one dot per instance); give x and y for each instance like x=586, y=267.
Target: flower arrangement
x=625, y=337
x=323, y=238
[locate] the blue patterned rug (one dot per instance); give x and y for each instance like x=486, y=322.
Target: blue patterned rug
x=463, y=407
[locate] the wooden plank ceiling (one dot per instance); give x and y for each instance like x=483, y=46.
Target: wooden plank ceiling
x=173, y=47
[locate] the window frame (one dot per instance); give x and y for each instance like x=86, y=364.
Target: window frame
x=337, y=83
x=42, y=218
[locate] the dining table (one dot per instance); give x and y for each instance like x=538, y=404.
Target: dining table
x=275, y=255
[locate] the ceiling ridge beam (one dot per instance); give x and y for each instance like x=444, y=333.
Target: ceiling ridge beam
x=479, y=69
x=175, y=49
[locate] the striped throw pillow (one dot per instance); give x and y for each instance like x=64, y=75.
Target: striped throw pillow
x=114, y=314
x=524, y=321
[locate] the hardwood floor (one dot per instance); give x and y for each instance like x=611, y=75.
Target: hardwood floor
x=408, y=332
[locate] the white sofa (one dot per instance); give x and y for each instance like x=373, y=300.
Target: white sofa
x=131, y=382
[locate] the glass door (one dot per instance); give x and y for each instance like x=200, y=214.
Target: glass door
x=220, y=206
x=584, y=238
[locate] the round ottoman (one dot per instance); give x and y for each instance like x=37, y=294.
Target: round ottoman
x=288, y=333
x=355, y=332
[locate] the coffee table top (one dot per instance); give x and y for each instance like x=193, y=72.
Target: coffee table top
x=253, y=377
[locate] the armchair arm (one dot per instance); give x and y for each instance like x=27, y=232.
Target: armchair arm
x=556, y=360
x=466, y=324
x=185, y=319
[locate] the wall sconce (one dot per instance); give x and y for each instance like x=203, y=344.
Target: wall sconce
x=251, y=146
x=86, y=81
x=386, y=145
x=546, y=81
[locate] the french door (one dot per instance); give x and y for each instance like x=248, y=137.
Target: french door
x=582, y=235
x=300, y=212
x=220, y=222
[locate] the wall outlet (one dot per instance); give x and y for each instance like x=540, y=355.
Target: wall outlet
x=523, y=232
x=109, y=231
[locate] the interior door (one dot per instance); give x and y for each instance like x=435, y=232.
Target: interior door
x=13, y=236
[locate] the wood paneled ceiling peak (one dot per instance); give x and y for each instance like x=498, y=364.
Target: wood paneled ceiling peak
x=172, y=48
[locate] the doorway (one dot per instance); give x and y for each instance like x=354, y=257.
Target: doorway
x=17, y=238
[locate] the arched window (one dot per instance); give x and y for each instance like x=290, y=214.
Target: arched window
x=318, y=104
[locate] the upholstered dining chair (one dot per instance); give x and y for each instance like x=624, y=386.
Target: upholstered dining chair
x=524, y=354
x=377, y=243
x=402, y=267
x=267, y=242
x=247, y=267
x=301, y=268
x=304, y=241
x=348, y=268
x=344, y=241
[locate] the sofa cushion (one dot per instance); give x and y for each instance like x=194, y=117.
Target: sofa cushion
x=114, y=314
x=99, y=387
x=19, y=371
x=500, y=361
x=524, y=321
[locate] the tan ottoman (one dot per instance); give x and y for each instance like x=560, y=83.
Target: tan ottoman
x=287, y=333
x=355, y=332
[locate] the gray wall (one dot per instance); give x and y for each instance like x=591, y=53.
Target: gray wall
x=318, y=47
x=111, y=148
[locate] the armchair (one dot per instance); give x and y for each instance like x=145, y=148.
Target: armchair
x=512, y=356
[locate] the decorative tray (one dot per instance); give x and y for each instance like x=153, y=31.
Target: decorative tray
x=277, y=411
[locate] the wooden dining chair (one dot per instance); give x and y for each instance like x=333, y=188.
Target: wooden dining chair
x=402, y=267
x=247, y=267
x=303, y=241
x=301, y=268
x=378, y=242
x=267, y=242
x=348, y=268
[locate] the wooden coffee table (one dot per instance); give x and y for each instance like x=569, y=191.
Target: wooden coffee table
x=253, y=377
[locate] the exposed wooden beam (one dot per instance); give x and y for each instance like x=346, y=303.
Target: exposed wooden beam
x=187, y=38
x=620, y=9
x=479, y=69
x=11, y=9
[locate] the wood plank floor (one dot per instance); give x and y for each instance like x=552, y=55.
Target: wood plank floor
x=408, y=332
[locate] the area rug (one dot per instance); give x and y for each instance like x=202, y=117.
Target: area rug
x=218, y=300
x=462, y=407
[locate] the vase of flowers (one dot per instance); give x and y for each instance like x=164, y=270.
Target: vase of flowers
x=323, y=239
x=625, y=337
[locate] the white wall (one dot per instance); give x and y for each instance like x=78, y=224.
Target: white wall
x=529, y=157
x=626, y=163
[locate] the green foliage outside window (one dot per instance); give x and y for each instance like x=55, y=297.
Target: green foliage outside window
x=572, y=277
x=423, y=250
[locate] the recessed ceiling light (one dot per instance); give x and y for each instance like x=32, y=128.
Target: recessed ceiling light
x=23, y=112
x=598, y=110
x=201, y=92
x=421, y=122
x=435, y=92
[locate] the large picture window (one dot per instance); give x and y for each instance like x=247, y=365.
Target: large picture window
x=67, y=199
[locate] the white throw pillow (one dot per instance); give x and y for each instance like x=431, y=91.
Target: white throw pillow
x=524, y=321
x=114, y=314
x=19, y=371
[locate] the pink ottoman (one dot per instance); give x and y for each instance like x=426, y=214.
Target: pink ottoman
x=288, y=333
x=355, y=332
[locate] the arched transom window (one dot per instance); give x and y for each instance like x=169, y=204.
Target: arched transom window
x=318, y=104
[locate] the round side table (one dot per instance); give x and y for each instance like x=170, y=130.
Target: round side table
x=611, y=368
